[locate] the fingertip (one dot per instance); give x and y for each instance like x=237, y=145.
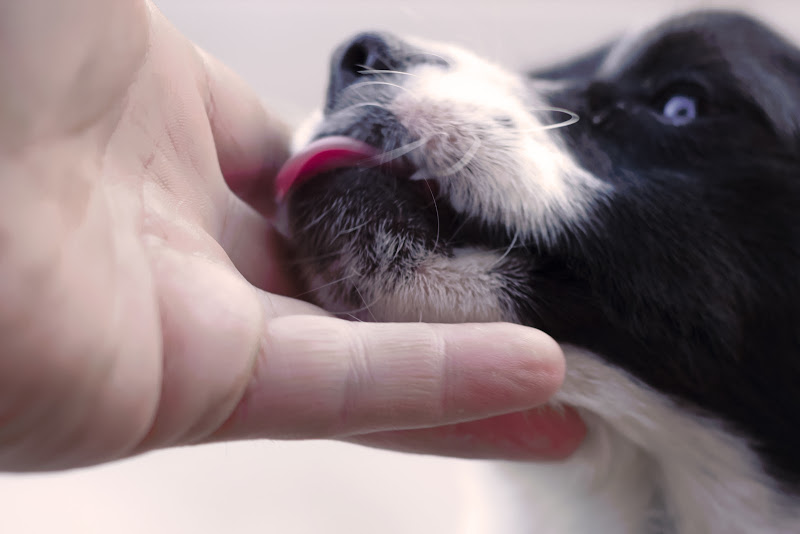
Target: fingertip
x=514, y=366
x=544, y=353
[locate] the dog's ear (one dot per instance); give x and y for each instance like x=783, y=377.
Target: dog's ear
x=583, y=66
x=770, y=72
x=765, y=63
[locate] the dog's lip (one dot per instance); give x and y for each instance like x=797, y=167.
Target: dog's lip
x=322, y=155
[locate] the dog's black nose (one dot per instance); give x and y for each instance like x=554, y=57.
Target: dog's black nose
x=354, y=59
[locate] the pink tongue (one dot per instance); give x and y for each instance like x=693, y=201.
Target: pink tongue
x=322, y=155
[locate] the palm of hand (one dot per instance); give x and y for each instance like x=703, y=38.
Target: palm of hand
x=117, y=256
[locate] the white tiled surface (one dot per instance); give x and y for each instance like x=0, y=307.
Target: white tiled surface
x=311, y=488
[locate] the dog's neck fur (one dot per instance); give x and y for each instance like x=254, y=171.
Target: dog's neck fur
x=667, y=462
x=646, y=468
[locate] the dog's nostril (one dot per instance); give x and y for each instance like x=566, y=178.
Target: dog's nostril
x=365, y=53
x=354, y=59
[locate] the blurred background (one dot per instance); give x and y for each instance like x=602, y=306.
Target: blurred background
x=281, y=49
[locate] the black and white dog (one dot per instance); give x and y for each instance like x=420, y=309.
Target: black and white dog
x=657, y=239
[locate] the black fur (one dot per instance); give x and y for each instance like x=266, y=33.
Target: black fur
x=689, y=276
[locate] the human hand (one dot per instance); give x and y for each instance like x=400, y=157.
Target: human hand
x=134, y=311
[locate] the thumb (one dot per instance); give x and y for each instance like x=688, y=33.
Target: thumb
x=251, y=142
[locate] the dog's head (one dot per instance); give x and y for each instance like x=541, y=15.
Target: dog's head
x=661, y=231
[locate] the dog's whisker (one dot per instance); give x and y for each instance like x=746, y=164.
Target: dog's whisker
x=323, y=286
x=508, y=250
x=396, y=153
x=367, y=306
x=368, y=70
x=363, y=105
x=573, y=118
x=429, y=54
x=438, y=219
x=353, y=228
x=514, y=247
x=318, y=219
x=386, y=157
x=376, y=82
x=459, y=228
x=461, y=163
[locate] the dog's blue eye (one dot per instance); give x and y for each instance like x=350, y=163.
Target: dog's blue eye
x=680, y=109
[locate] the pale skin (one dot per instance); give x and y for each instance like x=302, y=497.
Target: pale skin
x=142, y=302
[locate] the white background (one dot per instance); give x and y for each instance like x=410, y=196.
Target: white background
x=314, y=488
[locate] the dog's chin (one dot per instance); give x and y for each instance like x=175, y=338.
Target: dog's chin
x=347, y=223
x=349, y=207
x=372, y=227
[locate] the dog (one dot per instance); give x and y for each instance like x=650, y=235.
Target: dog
x=640, y=204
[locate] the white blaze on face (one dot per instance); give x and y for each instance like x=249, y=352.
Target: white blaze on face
x=487, y=147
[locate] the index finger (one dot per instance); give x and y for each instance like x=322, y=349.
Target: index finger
x=320, y=377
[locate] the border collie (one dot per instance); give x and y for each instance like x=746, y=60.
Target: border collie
x=641, y=204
